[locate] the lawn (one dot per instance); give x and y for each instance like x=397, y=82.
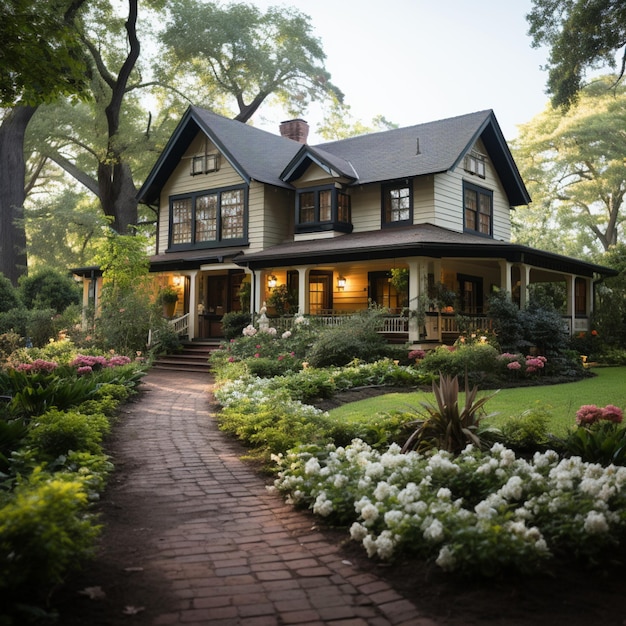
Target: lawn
x=562, y=401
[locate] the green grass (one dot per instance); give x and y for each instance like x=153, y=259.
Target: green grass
x=562, y=401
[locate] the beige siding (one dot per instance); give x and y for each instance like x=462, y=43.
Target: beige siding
x=448, y=192
x=424, y=200
x=181, y=182
x=271, y=212
x=449, y=198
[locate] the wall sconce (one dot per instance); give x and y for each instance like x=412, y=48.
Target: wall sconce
x=178, y=280
x=341, y=282
x=271, y=281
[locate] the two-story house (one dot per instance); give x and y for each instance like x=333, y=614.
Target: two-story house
x=332, y=221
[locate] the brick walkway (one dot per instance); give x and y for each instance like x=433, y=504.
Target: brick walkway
x=230, y=552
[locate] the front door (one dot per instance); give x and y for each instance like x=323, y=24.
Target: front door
x=216, y=304
x=320, y=291
x=471, y=288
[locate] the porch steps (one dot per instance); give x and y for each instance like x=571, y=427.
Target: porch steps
x=193, y=357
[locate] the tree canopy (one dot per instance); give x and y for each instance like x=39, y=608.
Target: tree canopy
x=581, y=35
x=247, y=55
x=573, y=165
x=41, y=54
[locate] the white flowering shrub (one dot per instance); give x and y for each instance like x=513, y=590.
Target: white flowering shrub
x=479, y=512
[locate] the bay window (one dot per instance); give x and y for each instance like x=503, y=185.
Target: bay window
x=323, y=208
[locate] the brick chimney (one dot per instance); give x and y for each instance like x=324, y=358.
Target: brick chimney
x=298, y=130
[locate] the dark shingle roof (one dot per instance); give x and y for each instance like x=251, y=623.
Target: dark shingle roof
x=399, y=153
x=419, y=240
x=411, y=151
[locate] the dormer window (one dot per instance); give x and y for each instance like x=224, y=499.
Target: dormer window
x=321, y=209
x=475, y=163
x=205, y=163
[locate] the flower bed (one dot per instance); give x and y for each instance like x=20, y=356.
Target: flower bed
x=481, y=512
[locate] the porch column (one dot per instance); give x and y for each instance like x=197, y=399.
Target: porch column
x=418, y=285
x=193, y=304
x=523, y=288
x=303, y=290
x=257, y=291
x=506, y=283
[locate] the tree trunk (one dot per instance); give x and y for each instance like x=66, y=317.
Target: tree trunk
x=12, y=194
x=118, y=196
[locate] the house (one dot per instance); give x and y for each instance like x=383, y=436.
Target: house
x=337, y=222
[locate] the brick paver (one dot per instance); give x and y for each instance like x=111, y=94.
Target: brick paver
x=231, y=552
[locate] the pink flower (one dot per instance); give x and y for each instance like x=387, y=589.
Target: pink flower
x=417, y=354
x=257, y=355
x=85, y=369
x=612, y=413
x=514, y=365
x=588, y=414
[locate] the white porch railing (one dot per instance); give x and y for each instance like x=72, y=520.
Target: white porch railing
x=180, y=325
x=391, y=324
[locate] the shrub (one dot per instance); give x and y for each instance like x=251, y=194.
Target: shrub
x=44, y=532
x=14, y=320
x=9, y=298
x=528, y=431
x=479, y=513
x=478, y=361
x=271, y=423
x=234, y=322
x=354, y=339
x=40, y=327
x=9, y=343
x=49, y=289
x=55, y=433
x=602, y=442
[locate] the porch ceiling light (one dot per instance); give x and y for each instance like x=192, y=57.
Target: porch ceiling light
x=272, y=281
x=341, y=282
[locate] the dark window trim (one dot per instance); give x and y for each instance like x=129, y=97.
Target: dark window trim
x=327, y=225
x=479, y=190
x=219, y=242
x=385, y=189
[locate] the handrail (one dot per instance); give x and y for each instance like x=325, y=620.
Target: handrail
x=180, y=325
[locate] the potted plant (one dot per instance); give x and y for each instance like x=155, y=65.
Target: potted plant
x=168, y=297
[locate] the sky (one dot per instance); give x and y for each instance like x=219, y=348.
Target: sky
x=416, y=61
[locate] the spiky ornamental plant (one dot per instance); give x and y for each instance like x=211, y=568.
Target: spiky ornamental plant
x=445, y=425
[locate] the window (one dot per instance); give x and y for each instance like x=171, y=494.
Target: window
x=478, y=204
x=205, y=163
x=323, y=208
x=208, y=218
x=474, y=163
x=397, y=204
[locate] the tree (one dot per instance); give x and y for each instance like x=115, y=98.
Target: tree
x=41, y=54
x=581, y=35
x=34, y=31
x=112, y=141
x=338, y=123
x=573, y=165
x=247, y=55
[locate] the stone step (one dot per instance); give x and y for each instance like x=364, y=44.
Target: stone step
x=193, y=357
